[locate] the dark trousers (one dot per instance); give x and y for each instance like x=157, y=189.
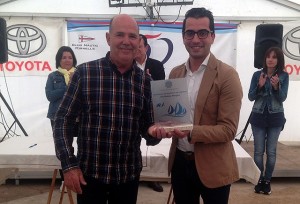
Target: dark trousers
x=97, y=193
x=187, y=187
x=60, y=170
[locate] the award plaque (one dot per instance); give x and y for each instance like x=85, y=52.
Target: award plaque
x=171, y=105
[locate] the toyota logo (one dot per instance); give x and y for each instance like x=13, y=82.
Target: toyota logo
x=28, y=40
x=291, y=39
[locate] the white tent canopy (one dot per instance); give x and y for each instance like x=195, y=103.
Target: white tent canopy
x=247, y=13
x=261, y=10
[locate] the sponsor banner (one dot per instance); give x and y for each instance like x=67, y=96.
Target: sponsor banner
x=87, y=39
x=291, y=49
x=32, y=45
x=33, y=42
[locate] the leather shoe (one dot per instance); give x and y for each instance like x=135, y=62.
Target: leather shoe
x=155, y=186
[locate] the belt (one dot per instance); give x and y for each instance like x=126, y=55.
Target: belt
x=186, y=155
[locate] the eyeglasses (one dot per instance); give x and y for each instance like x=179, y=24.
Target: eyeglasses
x=202, y=34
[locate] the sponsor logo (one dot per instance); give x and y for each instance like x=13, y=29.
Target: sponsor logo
x=291, y=48
x=169, y=43
x=25, y=40
x=20, y=66
x=83, y=38
x=292, y=40
x=85, y=43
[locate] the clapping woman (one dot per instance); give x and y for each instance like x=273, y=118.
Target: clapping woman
x=268, y=90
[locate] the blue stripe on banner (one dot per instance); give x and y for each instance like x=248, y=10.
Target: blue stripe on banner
x=88, y=25
x=88, y=28
x=226, y=31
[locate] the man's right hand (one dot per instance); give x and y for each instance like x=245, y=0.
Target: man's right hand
x=73, y=180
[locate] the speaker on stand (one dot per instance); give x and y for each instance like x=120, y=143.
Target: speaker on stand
x=266, y=36
x=3, y=59
x=3, y=42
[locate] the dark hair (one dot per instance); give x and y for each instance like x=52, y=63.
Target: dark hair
x=59, y=55
x=280, y=59
x=199, y=13
x=144, y=39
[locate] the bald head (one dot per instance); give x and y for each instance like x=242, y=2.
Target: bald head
x=122, y=18
x=123, y=40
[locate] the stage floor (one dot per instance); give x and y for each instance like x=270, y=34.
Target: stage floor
x=284, y=191
x=39, y=160
x=288, y=159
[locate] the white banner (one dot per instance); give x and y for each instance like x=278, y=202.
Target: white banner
x=87, y=39
x=291, y=48
x=26, y=75
x=32, y=45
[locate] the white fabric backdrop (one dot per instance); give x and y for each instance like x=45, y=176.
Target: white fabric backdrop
x=24, y=89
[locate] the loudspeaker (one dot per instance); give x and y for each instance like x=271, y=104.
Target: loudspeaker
x=3, y=42
x=267, y=35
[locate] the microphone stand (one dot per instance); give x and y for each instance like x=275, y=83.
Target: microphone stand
x=14, y=116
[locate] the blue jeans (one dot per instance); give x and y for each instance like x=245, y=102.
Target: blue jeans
x=265, y=140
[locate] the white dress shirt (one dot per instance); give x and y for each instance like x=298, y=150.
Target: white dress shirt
x=193, y=80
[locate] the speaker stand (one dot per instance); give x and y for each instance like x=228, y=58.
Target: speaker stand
x=244, y=131
x=14, y=116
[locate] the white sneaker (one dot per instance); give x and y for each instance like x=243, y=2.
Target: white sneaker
x=61, y=187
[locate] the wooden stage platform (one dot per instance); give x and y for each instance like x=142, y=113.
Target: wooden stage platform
x=288, y=158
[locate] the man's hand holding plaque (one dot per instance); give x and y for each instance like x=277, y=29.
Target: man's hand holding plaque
x=160, y=132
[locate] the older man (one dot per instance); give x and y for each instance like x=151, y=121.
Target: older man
x=112, y=98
